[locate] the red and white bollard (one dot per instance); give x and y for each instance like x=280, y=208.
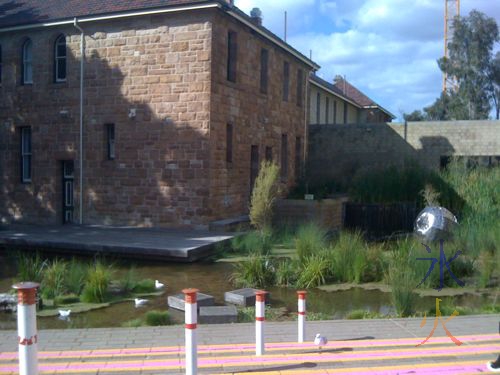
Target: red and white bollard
x=26, y=327
x=191, y=319
x=301, y=314
x=260, y=311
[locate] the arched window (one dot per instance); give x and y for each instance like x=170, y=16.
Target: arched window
x=60, y=59
x=27, y=62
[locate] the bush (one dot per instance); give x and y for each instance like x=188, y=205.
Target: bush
x=286, y=273
x=53, y=279
x=349, y=255
x=264, y=192
x=310, y=239
x=314, y=271
x=129, y=281
x=157, y=318
x=145, y=286
x=30, y=267
x=76, y=276
x=96, y=285
x=255, y=272
x=253, y=242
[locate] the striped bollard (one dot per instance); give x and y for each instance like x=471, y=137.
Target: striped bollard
x=26, y=327
x=260, y=311
x=191, y=318
x=301, y=314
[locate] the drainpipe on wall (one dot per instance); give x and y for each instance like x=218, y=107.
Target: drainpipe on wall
x=306, y=126
x=82, y=59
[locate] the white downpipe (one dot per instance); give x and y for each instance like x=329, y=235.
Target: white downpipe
x=82, y=60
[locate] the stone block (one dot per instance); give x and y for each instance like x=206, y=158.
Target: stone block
x=177, y=301
x=243, y=297
x=218, y=314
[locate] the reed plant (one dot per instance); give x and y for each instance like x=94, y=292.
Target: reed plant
x=53, y=279
x=129, y=280
x=286, y=272
x=144, y=286
x=255, y=242
x=95, y=289
x=264, y=193
x=314, y=271
x=310, y=239
x=30, y=266
x=349, y=257
x=157, y=318
x=76, y=276
x=256, y=271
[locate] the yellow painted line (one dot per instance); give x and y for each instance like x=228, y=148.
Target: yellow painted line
x=365, y=369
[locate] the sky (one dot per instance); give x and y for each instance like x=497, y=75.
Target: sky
x=387, y=48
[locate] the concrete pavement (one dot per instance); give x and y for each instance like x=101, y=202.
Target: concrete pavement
x=378, y=346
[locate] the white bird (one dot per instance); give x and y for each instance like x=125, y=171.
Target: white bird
x=140, y=302
x=320, y=340
x=158, y=285
x=64, y=313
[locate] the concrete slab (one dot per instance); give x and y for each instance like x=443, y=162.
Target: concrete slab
x=243, y=297
x=177, y=301
x=218, y=314
x=182, y=245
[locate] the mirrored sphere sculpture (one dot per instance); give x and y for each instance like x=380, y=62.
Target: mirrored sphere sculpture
x=434, y=223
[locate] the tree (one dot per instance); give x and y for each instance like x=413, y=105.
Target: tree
x=472, y=66
x=495, y=83
x=416, y=115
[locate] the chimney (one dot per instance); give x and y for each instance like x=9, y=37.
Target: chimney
x=256, y=16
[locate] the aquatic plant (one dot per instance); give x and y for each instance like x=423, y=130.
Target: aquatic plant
x=349, y=257
x=75, y=277
x=310, y=239
x=53, y=279
x=256, y=271
x=157, y=318
x=265, y=190
x=144, y=286
x=314, y=271
x=96, y=285
x=30, y=266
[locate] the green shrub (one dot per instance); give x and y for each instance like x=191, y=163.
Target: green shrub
x=134, y=323
x=76, y=276
x=145, y=286
x=375, y=264
x=30, y=266
x=314, y=271
x=53, y=279
x=256, y=271
x=264, y=193
x=129, y=280
x=350, y=257
x=96, y=285
x=246, y=315
x=310, y=239
x=157, y=318
x=66, y=299
x=256, y=242
x=286, y=273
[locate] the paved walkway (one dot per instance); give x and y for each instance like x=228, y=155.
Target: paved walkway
x=385, y=346
x=154, y=243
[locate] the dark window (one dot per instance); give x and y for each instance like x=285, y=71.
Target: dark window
x=26, y=154
x=298, y=157
x=286, y=80
x=300, y=83
x=345, y=112
x=269, y=153
x=254, y=165
x=264, y=60
x=27, y=70
x=110, y=140
x=232, y=51
x=60, y=59
x=284, y=157
x=318, y=107
x=229, y=143
x=0, y=64
x=334, y=111
x=327, y=109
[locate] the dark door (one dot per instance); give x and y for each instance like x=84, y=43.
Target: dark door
x=254, y=165
x=68, y=190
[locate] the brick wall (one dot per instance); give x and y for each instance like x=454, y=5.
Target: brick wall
x=257, y=119
x=346, y=148
x=157, y=65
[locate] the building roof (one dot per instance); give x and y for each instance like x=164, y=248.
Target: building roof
x=25, y=12
x=325, y=85
x=16, y=14
x=352, y=92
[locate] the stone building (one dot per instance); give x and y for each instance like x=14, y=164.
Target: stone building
x=342, y=103
x=162, y=123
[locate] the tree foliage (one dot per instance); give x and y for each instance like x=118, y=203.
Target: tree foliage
x=264, y=193
x=474, y=70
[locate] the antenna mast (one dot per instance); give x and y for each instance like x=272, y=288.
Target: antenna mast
x=451, y=11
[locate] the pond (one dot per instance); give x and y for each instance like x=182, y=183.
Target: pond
x=210, y=278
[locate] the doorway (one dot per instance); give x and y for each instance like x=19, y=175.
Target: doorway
x=68, y=172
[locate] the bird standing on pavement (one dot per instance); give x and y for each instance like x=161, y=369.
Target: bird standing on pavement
x=320, y=340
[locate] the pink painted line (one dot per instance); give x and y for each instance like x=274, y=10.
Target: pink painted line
x=218, y=348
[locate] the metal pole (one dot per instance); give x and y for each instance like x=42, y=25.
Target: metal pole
x=191, y=319
x=302, y=315
x=260, y=300
x=26, y=328
x=82, y=59
x=285, y=25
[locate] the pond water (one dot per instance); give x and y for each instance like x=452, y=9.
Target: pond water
x=210, y=278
